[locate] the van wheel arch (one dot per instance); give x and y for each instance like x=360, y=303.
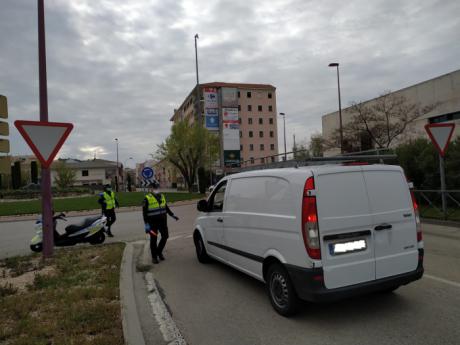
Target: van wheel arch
x=268, y=261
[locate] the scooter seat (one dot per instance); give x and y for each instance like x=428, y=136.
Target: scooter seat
x=84, y=224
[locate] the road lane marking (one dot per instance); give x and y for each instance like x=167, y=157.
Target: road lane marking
x=189, y=236
x=442, y=280
x=168, y=327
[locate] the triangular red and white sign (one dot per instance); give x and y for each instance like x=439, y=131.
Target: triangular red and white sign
x=44, y=138
x=440, y=134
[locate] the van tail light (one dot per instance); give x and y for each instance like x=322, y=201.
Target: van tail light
x=310, y=229
x=417, y=217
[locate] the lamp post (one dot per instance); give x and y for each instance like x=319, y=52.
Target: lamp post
x=284, y=129
x=336, y=64
x=124, y=163
x=197, y=80
x=117, y=176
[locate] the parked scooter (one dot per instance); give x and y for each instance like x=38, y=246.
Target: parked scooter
x=90, y=230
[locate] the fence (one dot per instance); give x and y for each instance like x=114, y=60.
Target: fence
x=430, y=204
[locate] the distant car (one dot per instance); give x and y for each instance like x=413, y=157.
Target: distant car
x=31, y=186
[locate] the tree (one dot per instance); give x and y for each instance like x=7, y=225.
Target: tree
x=301, y=152
x=189, y=147
x=65, y=177
x=378, y=123
x=316, y=145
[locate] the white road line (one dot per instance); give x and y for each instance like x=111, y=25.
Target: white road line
x=442, y=280
x=168, y=327
x=174, y=238
x=189, y=236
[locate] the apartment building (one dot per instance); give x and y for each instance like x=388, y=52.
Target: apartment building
x=243, y=115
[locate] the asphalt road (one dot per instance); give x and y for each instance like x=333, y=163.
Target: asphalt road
x=214, y=304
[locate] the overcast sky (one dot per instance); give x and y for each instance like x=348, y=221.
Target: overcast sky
x=117, y=69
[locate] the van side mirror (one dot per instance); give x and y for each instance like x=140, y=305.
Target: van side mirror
x=202, y=206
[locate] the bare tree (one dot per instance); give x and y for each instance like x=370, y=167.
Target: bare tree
x=65, y=176
x=379, y=122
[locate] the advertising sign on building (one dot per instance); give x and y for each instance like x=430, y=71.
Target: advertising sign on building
x=212, y=119
x=210, y=97
x=232, y=158
x=229, y=97
x=231, y=139
x=229, y=115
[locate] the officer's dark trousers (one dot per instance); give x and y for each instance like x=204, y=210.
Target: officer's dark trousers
x=111, y=218
x=157, y=249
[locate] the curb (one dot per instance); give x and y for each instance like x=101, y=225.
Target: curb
x=132, y=331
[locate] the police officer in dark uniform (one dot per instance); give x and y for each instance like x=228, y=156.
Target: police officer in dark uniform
x=108, y=203
x=154, y=211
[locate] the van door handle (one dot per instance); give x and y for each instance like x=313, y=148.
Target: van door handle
x=220, y=220
x=383, y=227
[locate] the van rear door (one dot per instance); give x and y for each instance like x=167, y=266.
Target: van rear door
x=395, y=232
x=345, y=226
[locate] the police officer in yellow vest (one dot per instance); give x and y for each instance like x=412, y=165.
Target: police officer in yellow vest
x=108, y=203
x=154, y=211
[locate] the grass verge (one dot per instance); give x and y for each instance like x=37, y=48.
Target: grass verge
x=85, y=203
x=73, y=300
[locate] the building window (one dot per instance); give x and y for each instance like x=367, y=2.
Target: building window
x=250, y=134
x=250, y=120
x=251, y=147
x=269, y=95
x=239, y=107
x=261, y=134
x=262, y=147
x=248, y=94
x=273, y=159
x=261, y=121
x=84, y=173
x=259, y=107
x=252, y=160
x=239, y=120
x=241, y=134
x=239, y=94
x=272, y=134
x=241, y=147
x=270, y=108
x=271, y=120
x=262, y=160
x=272, y=147
x=249, y=107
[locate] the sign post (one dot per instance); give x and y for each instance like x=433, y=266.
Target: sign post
x=440, y=135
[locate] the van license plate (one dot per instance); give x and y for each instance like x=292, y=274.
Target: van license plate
x=347, y=247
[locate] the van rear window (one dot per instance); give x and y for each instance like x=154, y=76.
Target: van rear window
x=270, y=195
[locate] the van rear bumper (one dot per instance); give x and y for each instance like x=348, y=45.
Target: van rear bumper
x=309, y=283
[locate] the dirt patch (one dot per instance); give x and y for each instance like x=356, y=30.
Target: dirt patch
x=21, y=282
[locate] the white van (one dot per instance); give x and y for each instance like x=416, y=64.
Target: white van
x=317, y=233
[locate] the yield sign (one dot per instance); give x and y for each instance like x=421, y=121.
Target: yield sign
x=440, y=134
x=44, y=138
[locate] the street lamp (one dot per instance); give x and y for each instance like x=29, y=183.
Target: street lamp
x=284, y=128
x=117, y=177
x=336, y=64
x=198, y=110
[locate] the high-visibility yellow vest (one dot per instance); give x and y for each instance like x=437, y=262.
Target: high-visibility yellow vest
x=109, y=200
x=155, y=208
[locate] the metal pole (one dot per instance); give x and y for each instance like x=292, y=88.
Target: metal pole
x=340, y=111
x=47, y=208
x=284, y=126
x=443, y=186
x=197, y=80
x=117, y=177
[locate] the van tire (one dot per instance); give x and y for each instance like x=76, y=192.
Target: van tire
x=201, y=253
x=281, y=291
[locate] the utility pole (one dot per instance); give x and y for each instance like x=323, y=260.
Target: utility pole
x=47, y=213
x=336, y=64
x=117, y=175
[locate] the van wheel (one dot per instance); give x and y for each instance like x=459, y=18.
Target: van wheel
x=281, y=291
x=201, y=254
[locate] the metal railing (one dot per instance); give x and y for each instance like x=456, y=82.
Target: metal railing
x=430, y=204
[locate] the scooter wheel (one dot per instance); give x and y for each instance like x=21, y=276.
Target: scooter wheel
x=98, y=239
x=37, y=248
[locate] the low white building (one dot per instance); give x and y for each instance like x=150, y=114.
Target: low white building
x=90, y=172
x=443, y=91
